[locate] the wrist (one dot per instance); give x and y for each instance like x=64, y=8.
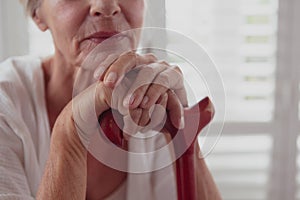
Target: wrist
x=65, y=141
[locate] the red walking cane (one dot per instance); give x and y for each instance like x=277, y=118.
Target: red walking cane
x=196, y=118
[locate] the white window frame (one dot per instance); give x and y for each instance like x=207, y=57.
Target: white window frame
x=14, y=40
x=286, y=122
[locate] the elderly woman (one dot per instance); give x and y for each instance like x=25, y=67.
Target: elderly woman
x=42, y=154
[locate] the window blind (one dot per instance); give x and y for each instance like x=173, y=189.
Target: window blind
x=241, y=164
x=240, y=36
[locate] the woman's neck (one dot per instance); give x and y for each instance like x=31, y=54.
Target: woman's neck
x=59, y=80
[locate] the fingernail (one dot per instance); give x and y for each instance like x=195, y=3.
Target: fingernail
x=129, y=100
x=111, y=78
x=145, y=101
x=181, y=123
x=132, y=98
x=98, y=73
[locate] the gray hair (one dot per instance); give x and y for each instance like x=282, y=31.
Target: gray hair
x=30, y=6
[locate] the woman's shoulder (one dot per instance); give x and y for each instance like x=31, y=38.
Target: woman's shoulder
x=17, y=68
x=20, y=74
x=21, y=83
x=22, y=103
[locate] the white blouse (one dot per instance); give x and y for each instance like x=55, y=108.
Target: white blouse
x=25, y=139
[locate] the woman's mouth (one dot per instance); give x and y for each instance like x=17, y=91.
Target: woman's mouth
x=111, y=42
x=99, y=37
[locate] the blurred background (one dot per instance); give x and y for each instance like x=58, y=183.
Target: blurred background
x=256, y=46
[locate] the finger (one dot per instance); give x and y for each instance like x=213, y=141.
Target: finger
x=131, y=122
x=118, y=96
x=171, y=78
x=145, y=118
x=175, y=109
x=145, y=59
x=180, y=89
x=141, y=83
x=158, y=114
x=99, y=72
x=124, y=64
x=182, y=96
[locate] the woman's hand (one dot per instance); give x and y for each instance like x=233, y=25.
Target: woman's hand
x=66, y=169
x=140, y=82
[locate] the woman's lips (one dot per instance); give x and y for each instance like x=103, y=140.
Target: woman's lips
x=111, y=42
x=101, y=36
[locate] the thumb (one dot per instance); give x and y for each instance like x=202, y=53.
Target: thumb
x=86, y=107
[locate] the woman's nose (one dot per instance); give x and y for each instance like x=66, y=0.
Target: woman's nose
x=104, y=8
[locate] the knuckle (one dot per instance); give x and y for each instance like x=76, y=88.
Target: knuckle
x=163, y=80
x=156, y=90
x=162, y=62
x=130, y=54
x=147, y=70
x=177, y=69
x=178, y=75
x=151, y=56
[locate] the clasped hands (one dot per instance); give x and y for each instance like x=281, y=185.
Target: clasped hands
x=141, y=88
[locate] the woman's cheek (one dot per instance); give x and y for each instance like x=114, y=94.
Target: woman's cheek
x=69, y=14
x=134, y=13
